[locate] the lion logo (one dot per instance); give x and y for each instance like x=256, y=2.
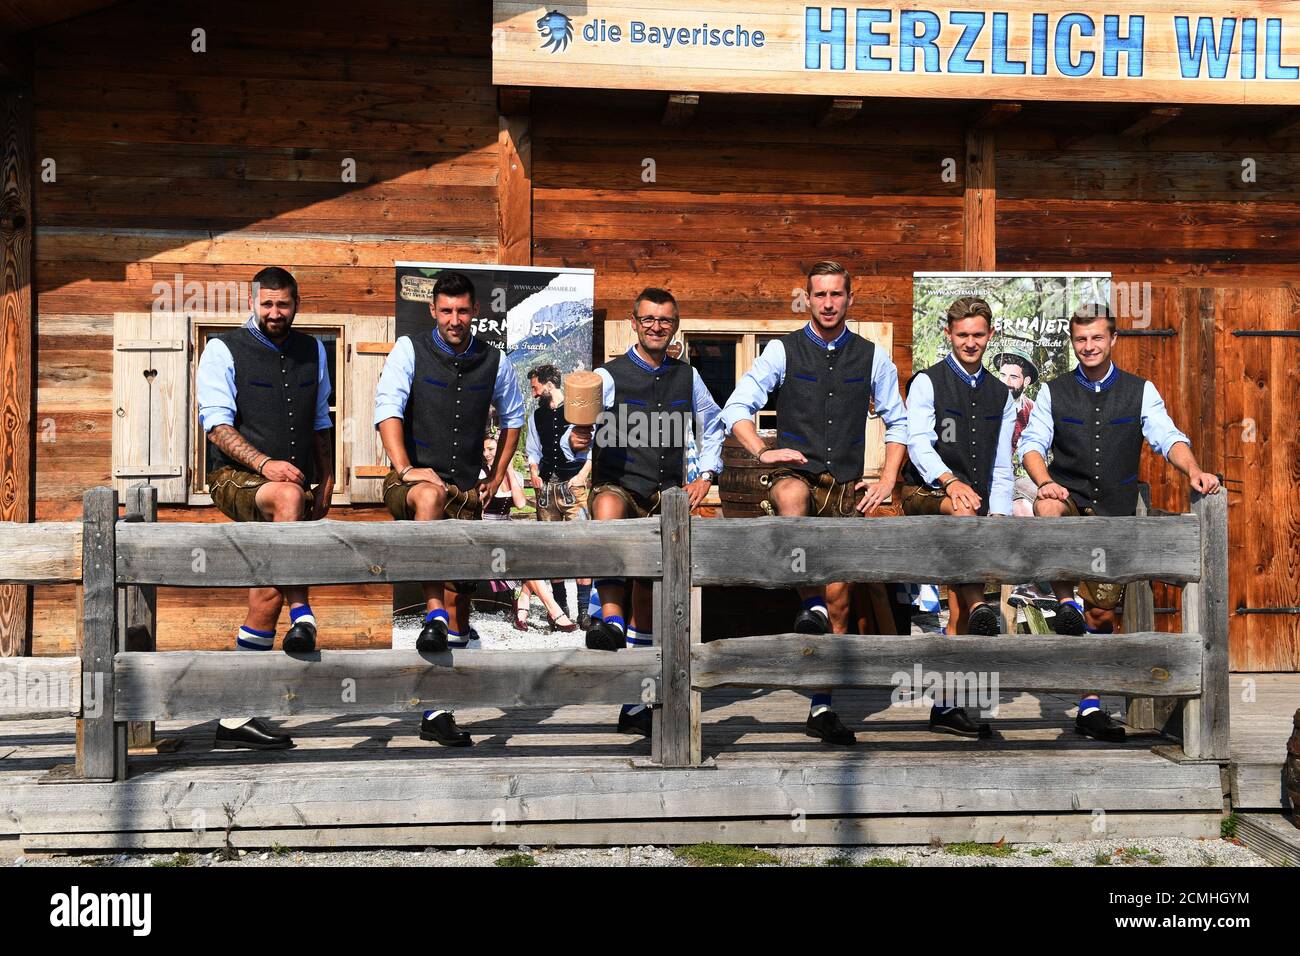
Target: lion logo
x=556, y=29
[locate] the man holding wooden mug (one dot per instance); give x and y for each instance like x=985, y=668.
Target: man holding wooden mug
x=634, y=415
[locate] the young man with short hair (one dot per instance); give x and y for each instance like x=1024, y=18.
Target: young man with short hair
x=1093, y=421
x=960, y=419
x=828, y=376
x=638, y=451
x=431, y=410
x=263, y=393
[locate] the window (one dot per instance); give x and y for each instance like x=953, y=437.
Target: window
x=332, y=337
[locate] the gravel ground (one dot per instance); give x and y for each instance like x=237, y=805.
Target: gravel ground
x=497, y=631
x=1164, y=851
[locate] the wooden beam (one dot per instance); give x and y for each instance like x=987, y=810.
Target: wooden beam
x=138, y=613
x=208, y=684
x=514, y=179
x=992, y=115
x=840, y=110
x=1287, y=125
x=679, y=109
x=774, y=552
x=678, y=722
x=979, y=229
x=46, y=552
x=1205, y=611
x=185, y=554
x=1167, y=665
x=32, y=687
x=17, y=318
x=1151, y=119
x=101, y=742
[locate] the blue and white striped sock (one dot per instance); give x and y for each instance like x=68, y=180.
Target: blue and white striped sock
x=817, y=604
x=302, y=615
x=457, y=639
x=639, y=638
x=251, y=639
x=618, y=622
x=439, y=614
x=1089, y=704
x=819, y=704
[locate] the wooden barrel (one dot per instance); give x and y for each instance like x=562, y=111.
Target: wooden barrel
x=743, y=484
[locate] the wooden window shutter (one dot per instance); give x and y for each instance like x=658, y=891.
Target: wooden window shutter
x=882, y=334
x=370, y=339
x=151, y=403
x=619, y=337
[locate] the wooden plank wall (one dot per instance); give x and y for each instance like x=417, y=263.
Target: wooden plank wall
x=745, y=195
x=214, y=164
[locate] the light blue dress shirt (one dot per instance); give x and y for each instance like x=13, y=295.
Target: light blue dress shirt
x=399, y=371
x=705, y=408
x=215, y=383
x=921, y=438
x=768, y=373
x=1158, y=428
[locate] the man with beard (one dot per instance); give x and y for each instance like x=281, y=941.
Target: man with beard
x=558, y=474
x=1093, y=421
x=268, y=453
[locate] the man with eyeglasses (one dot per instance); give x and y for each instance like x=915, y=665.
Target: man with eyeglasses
x=827, y=376
x=638, y=450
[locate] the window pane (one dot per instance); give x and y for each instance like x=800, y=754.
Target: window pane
x=760, y=343
x=715, y=360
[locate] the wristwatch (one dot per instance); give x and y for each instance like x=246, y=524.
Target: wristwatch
x=708, y=475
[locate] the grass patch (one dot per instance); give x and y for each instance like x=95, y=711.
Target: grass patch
x=180, y=859
x=884, y=861
x=1062, y=861
x=1228, y=826
x=516, y=859
x=279, y=849
x=95, y=861
x=839, y=861
x=981, y=849
x=717, y=854
x=1039, y=851
x=1101, y=859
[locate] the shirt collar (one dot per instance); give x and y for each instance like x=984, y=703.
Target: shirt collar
x=971, y=380
x=829, y=346
x=1107, y=381
x=635, y=356
x=259, y=335
x=438, y=341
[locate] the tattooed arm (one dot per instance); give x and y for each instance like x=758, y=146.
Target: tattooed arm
x=233, y=444
x=324, y=474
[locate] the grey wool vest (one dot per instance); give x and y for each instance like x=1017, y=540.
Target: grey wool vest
x=1097, y=441
x=822, y=406
x=640, y=443
x=967, y=423
x=549, y=424
x=446, y=413
x=275, y=398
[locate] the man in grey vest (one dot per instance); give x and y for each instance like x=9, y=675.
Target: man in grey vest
x=960, y=419
x=263, y=392
x=638, y=450
x=828, y=377
x=431, y=410
x=1093, y=422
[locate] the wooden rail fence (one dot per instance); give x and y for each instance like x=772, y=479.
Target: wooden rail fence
x=119, y=684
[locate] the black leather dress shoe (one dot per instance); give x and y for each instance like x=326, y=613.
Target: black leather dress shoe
x=983, y=620
x=301, y=639
x=433, y=637
x=605, y=637
x=1068, y=620
x=1098, y=725
x=584, y=620
x=442, y=729
x=639, y=723
x=811, y=622
x=827, y=728
x=254, y=735
x=958, y=723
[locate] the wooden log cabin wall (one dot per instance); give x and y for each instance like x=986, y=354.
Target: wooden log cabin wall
x=212, y=164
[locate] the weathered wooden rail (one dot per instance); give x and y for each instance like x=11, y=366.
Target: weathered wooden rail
x=119, y=684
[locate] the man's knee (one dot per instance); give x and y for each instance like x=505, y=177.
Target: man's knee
x=790, y=496
x=608, y=507
x=1049, y=508
x=427, y=500
x=265, y=601
x=281, y=500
